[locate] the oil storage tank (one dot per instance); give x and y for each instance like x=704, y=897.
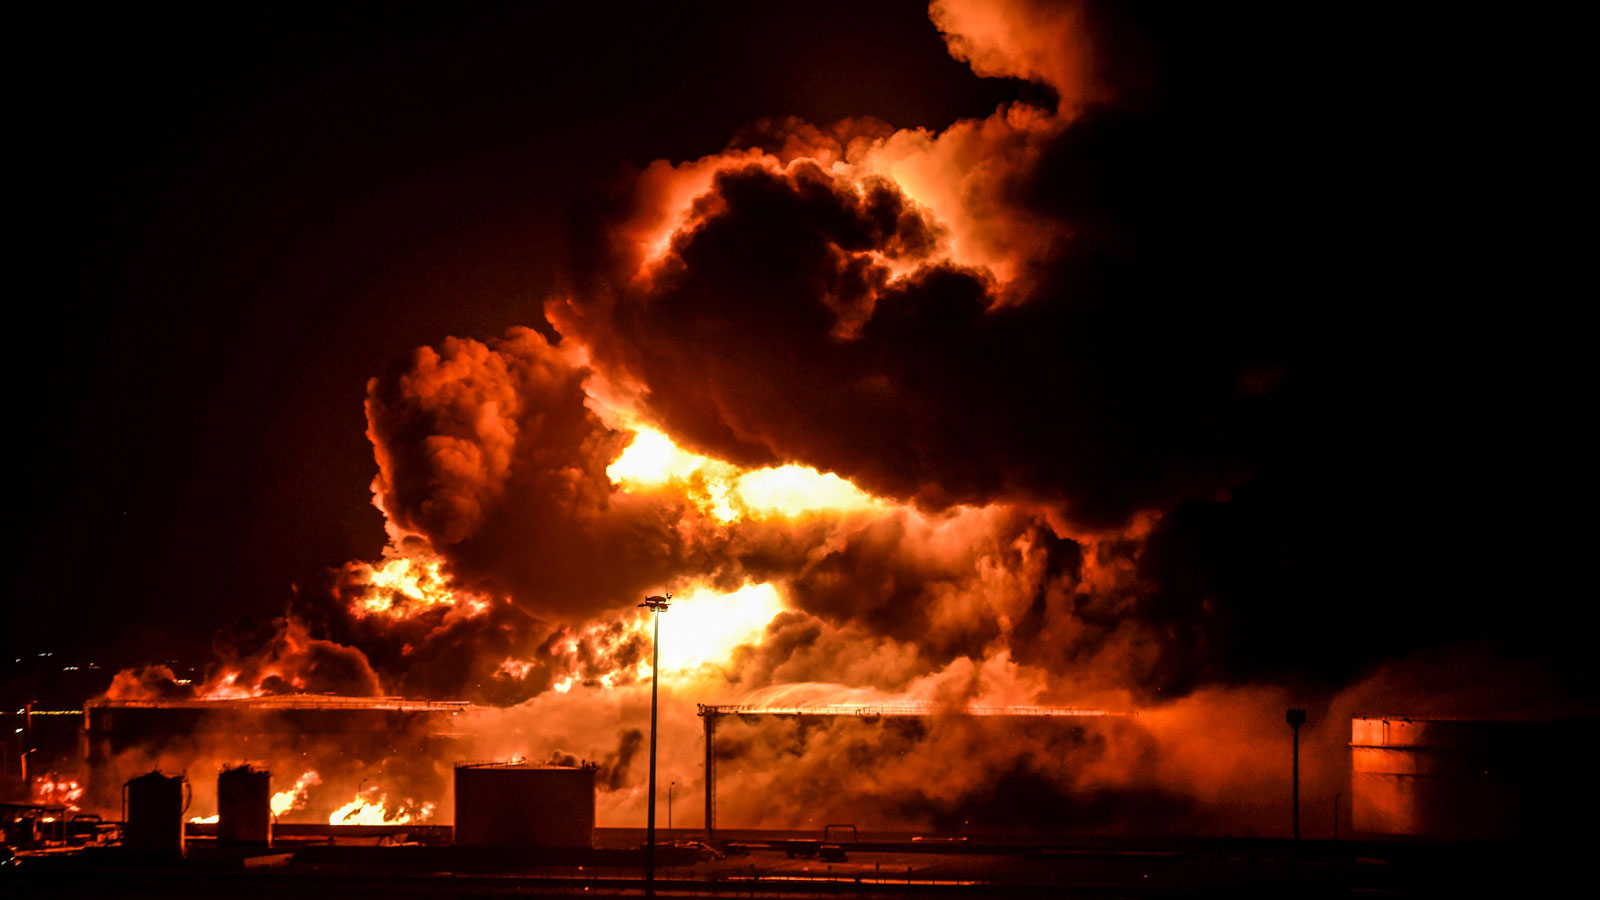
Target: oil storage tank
x=244, y=805
x=1469, y=779
x=521, y=805
x=153, y=820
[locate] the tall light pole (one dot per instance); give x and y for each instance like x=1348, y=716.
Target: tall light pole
x=670, y=786
x=656, y=605
x=1296, y=718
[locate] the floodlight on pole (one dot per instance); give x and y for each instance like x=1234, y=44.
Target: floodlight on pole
x=656, y=605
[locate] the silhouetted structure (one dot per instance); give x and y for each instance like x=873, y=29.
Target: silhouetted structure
x=657, y=605
x=244, y=805
x=153, y=822
x=122, y=737
x=1470, y=778
x=521, y=805
x=1296, y=718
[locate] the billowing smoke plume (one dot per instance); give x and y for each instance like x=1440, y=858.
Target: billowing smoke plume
x=281, y=657
x=488, y=454
x=1021, y=411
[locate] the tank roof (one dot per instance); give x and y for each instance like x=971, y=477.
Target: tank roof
x=520, y=766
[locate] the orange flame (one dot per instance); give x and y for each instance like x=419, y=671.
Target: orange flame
x=294, y=798
x=372, y=807
x=704, y=627
x=51, y=789
x=227, y=687
x=726, y=493
x=404, y=586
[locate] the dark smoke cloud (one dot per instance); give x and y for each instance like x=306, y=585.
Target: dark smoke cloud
x=1139, y=362
x=1134, y=361
x=475, y=440
x=148, y=683
x=488, y=454
x=1198, y=334
x=955, y=774
x=611, y=773
x=1164, y=451
x=773, y=333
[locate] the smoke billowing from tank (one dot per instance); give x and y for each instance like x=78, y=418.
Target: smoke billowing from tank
x=1018, y=411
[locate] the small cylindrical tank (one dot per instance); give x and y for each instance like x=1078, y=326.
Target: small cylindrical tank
x=153, y=821
x=244, y=805
x=520, y=805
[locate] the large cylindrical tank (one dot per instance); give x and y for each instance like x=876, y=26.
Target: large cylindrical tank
x=244, y=805
x=154, y=819
x=520, y=805
x=1468, y=778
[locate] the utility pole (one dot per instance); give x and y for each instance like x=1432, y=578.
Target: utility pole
x=670, y=786
x=656, y=605
x=1296, y=718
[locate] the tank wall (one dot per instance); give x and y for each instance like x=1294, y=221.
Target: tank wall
x=244, y=805
x=533, y=807
x=155, y=814
x=1464, y=779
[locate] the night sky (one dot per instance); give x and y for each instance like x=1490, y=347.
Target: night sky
x=229, y=219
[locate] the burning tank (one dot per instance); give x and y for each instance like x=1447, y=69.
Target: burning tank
x=244, y=805
x=350, y=740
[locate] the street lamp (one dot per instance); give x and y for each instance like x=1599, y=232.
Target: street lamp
x=1295, y=718
x=656, y=605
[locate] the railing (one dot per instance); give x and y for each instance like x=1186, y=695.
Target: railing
x=903, y=709
x=518, y=764
x=291, y=701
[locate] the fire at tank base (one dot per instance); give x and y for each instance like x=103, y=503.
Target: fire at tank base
x=348, y=744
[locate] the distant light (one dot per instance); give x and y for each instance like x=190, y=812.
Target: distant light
x=19, y=731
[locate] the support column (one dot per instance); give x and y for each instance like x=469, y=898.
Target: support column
x=711, y=773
